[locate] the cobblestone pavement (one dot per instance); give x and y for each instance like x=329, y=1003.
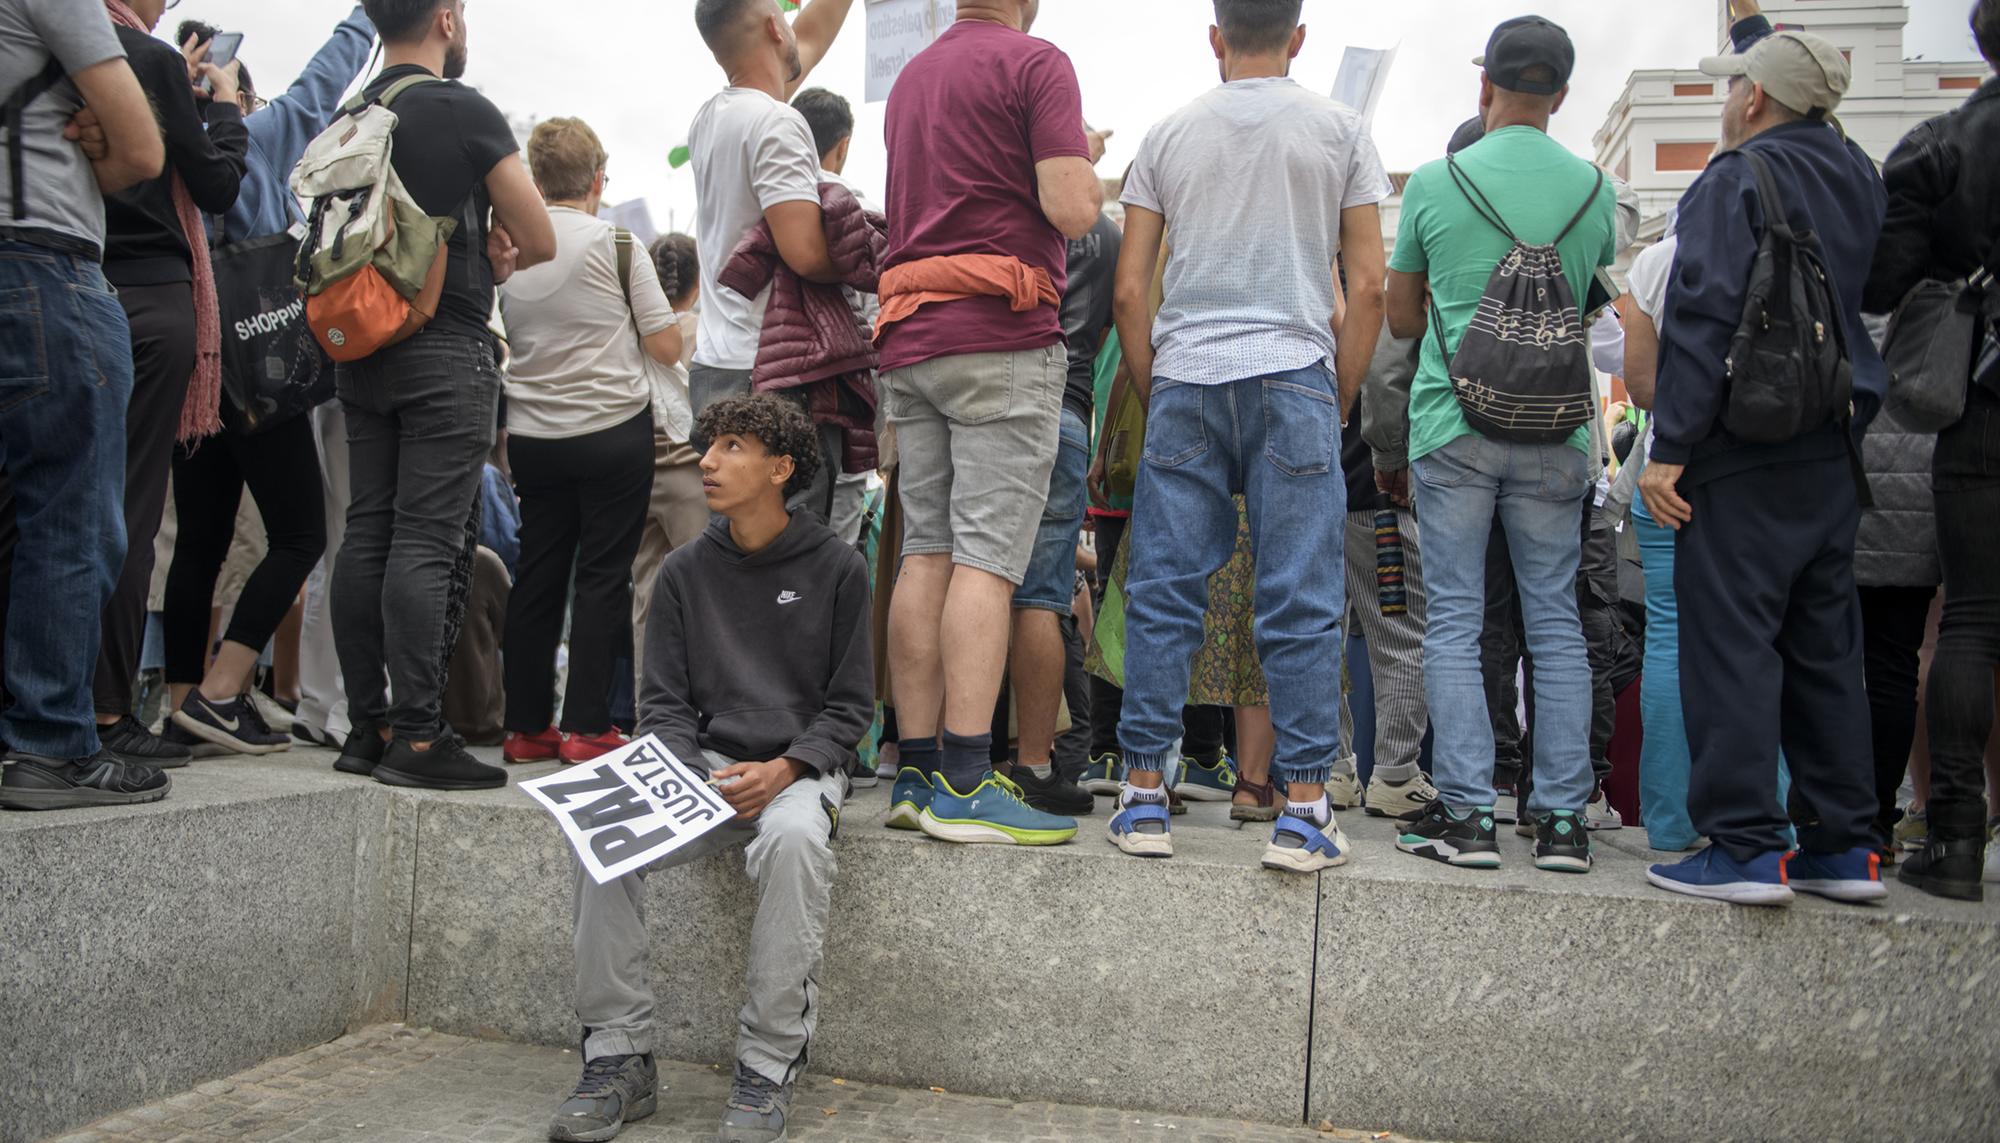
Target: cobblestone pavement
x=393, y=1084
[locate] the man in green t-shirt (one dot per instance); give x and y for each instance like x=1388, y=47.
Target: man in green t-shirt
x=1447, y=248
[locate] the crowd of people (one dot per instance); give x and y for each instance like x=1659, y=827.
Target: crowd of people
x=1004, y=493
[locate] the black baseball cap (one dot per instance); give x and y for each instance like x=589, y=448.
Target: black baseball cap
x=1525, y=42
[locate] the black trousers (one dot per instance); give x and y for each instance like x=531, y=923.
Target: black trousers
x=1892, y=643
x=583, y=507
x=163, y=347
x=281, y=468
x=1771, y=656
x=1959, y=706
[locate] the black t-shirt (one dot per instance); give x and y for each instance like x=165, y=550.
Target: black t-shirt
x=1086, y=308
x=448, y=139
x=206, y=143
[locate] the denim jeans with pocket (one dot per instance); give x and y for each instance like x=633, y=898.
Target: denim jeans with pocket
x=65, y=377
x=1538, y=492
x=420, y=421
x=1276, y=441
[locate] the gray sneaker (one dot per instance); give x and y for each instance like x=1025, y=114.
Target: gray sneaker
x=757, y=1109
x=614, y=1091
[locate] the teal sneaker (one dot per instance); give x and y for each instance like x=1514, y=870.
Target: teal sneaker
x=907, y=801
x=1201, y=782
x=1102, y=775
x=992, y=813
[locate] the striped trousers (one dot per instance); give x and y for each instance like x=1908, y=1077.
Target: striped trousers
x=1395, y=644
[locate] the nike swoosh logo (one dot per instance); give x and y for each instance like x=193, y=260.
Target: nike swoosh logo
x=229, y=724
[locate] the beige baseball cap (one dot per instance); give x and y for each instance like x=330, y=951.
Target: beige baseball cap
x=1798, y=69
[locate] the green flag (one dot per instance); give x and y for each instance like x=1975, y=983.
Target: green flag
x=678, y=157
x=789, y=5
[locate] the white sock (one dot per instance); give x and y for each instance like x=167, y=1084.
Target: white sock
x=1041, y=772
x=1319, y=812
x=1134, y=794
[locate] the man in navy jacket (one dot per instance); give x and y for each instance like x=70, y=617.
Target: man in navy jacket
x=1764, y=555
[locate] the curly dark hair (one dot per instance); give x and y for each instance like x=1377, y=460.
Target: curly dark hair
x=678, y=263
x=781, y=426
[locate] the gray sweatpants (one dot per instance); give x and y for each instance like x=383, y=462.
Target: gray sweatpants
x=790, y=857
x=1395, y=645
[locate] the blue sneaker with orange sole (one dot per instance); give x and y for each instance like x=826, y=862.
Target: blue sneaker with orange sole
x=992, y=812
x=1854, y=876
x=1714, y=874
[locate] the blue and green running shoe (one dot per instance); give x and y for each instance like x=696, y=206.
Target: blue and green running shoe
x=1201, y=782
x=1103, y=774
x=912, y=793
x=992, y=813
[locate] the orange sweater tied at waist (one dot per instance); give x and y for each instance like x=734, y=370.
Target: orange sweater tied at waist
x=955, y=277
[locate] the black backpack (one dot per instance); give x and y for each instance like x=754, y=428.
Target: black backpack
x=1788, y=366
x=1522, y=370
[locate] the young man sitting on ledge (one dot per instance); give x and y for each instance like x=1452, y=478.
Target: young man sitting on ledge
x=756, y=667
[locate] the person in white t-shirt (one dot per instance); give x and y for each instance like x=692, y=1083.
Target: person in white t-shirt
x=584, y=331
x=754, y=160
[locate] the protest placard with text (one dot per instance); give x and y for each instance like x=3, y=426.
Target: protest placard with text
x=629, y=808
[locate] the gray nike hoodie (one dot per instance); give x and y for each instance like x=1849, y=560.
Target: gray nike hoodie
x=760, y=655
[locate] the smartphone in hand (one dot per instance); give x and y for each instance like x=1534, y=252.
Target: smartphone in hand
x=221, y=51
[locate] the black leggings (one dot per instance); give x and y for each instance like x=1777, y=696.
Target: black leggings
x=1892, y=642
x=583, y=507
x=281, y=468
x=1958, y=706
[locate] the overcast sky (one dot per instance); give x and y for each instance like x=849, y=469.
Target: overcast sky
x=637, y=72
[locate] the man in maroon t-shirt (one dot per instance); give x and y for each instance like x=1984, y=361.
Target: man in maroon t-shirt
x=989, y=173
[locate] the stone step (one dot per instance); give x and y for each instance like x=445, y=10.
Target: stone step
x=271, y=904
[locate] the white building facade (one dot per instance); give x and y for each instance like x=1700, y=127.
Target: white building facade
x=1664, y=126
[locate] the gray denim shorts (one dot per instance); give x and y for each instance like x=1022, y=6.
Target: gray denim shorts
x=976, y=438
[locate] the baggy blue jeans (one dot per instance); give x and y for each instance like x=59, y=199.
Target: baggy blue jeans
x=65, y=378
x=1276, y=441
x=1539, y=491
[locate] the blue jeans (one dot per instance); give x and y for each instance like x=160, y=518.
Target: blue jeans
x=1538, y=491
x=1051, y=580
x=1276, y=441
x=65, y=377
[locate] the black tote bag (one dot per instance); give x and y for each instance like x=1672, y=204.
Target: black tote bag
x=273, y=368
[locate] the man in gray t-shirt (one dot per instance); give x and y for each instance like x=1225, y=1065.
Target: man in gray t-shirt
x=76, y=127
x=42, y=44
x=1241, y=401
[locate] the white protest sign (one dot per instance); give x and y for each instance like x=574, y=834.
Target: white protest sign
x=630, y=807
x=1364, y=72
x=897, y=31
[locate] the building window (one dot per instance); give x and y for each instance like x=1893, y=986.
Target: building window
x=1686, y=90
x=1958, y=83
x=1681, y=156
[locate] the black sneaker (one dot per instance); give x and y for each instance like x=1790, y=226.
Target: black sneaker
x=1562, y=844
x=447, y=765
x=32, y=782
x=197, y=747
x=614, y=1091
x=234, y=725
x=1054, y=794
x=128, y=740
x=1441, y=834
x=363, y=752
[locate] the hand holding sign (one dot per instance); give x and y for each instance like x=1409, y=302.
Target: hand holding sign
x=629, y=808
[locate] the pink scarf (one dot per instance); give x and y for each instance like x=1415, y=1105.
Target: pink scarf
x=201, y=414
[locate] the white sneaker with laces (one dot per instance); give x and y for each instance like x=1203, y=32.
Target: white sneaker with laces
x=1599, y=813
x=1402, y=800
x=1343, y=789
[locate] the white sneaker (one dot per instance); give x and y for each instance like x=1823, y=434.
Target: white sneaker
x=1599, y=814
x=1402, y=800
x=1343, y=789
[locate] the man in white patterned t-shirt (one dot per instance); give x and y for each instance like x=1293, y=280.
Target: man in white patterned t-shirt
x=1241, y=402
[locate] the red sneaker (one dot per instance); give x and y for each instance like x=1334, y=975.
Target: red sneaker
x=585, y=747
x=543, y=747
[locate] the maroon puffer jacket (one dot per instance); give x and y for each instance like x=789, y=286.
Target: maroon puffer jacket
x=812, y=338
